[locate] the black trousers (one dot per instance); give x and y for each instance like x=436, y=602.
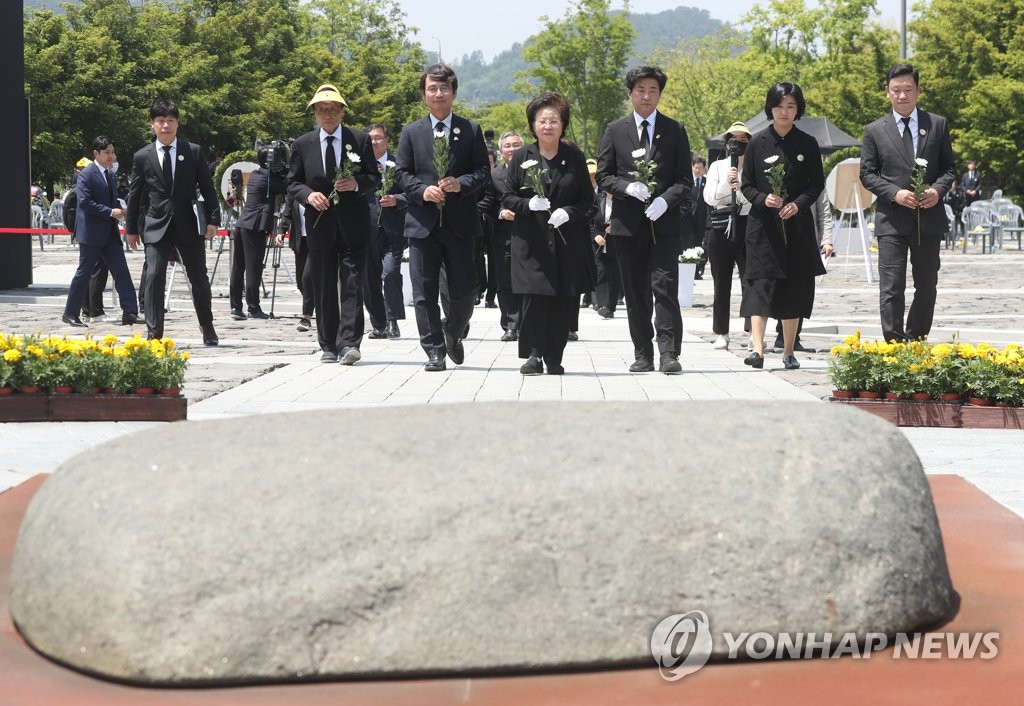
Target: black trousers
x=608, y=285
x=509, y=303
x=304, y=278
x=382, y=280
x=250, y=246
x=892, y=282
x=88, y=257
x=544, y=330
x=97, y=283
x=725, y=255
x=192, y=255
x=650, y=280
x=338, y=292
x=426, y=257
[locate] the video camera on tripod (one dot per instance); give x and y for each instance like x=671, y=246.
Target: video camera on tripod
x=275, y=157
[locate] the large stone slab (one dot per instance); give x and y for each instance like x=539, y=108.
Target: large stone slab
x=455, y=539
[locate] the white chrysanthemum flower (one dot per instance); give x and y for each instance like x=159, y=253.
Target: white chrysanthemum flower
x=771, y=160
x=529, y=163
x=637, y=154
x=921, y=162
x=389, y=163
x=353, y=157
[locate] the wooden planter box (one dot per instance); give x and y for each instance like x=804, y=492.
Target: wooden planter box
x=976, y=417
x=910, y=413
x=92, y=408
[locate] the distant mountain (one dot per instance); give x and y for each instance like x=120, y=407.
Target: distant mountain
x=46, y=4
x=482, y=83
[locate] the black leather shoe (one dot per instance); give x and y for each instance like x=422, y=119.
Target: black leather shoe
x=210, y=336
x=258, y=314
x=510, y=335
x=573, y=336
x=605, y=313
x=435, y=364
x=490, y=305
x=237, y=315
x=532, y=366
x=74, y=321
x=779, y=343
x=391, y=330
x=555, y=369
x=791, y=362
x=797, y=346
x=130, y=318
x=642, y=364
x=754, y=360
x=328, y=357
x=670, y=365
x=377, y=333
x=455, y=350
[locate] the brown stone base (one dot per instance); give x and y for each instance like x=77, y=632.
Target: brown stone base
x=984, y=547
x=92, y=408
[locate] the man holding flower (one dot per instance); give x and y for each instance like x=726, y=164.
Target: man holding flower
x=332, y=171
x=907, y=162
x=646, y=221
x=442, y=163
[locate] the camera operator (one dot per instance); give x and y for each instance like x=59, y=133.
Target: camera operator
x=255, y=223
x=726, y=227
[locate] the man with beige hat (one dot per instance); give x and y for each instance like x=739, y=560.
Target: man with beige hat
x=332, y=170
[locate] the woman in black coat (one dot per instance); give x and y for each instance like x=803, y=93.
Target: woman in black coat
x=551, y=240
x=782, y=248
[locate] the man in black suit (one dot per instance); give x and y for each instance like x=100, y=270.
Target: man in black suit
x=441, y=219
x=165, y=175
x=254, y=224
x=382, y=286
x=647, y=225
x=893, y=146
x=698, y=216
x=98, y=237
x=970, y=182
x=292, y=222
x=338, y=227
x=501, y=238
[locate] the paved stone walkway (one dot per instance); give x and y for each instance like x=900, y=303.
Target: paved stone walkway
x=267, y=366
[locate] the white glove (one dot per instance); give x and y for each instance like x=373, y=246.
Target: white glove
x=657, y=209
x=539, y=203
x=558, y=217
x=638, y=191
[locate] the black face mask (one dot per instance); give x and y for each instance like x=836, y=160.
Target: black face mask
x=736, y=147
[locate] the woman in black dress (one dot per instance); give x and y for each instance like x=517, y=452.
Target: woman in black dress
x=782, y=250
x=551, y=240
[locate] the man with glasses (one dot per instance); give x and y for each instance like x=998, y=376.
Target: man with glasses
x=441, y=219
x=337, y=220
x=646, y=220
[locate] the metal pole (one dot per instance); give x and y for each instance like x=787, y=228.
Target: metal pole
x=903, y=29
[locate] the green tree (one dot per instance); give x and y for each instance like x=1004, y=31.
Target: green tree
x=971, y=58
x=583, y=57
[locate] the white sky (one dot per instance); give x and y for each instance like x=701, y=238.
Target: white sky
x=464, y=26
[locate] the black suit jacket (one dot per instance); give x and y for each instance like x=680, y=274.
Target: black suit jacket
x=170, y=206
x=467, y=161
x=392, y=218
x=969, y=182
x=885, y=168
x=671, y=152
x=260, y=200
x=350, y=219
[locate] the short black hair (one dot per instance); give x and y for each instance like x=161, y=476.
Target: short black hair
x=376, y=126
x=101, y=143
x=779, y=91
x=699, y=160
x=161, y=108
x=903, y=70
x=638, y=73
x=548, y=99
x=441, y=73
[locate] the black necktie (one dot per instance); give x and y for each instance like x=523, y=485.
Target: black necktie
x=330, y=159
x=908, y=139
x=168, y=174
x=111, y=186
x=645, y=139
